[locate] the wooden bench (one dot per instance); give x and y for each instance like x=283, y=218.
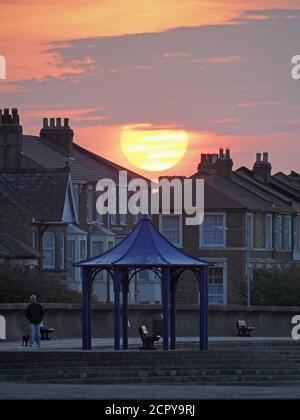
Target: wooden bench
x=147, y=339
x=243, y=329
x=45, y=333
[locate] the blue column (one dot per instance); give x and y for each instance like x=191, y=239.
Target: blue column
x=203, y=287
x=117, y=284
x=86, y=309
x=173, y=313
x=125, y=309
x=165, y=300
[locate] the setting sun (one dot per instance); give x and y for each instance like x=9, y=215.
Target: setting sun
x=153, y=149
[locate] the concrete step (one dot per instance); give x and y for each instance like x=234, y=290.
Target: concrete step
x=211, y=367
x=207, y=380
x=116, y=371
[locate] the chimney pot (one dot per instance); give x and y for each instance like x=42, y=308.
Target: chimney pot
x=52, y=122
x=66, y=122
x=227, y=153
x=6, y=119
x=258, y=157
x=265, y=157
x=15, y=116
x=221, y=153
x=45, y=122
x=58, y=122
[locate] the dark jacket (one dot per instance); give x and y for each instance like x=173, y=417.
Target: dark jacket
x=35, y=313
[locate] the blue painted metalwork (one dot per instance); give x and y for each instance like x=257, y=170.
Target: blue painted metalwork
x=86, y=310
x=117, y=317
x=144, y=248
x=125, y=284
x=203, y=287
x=173, y=313
x=165, y=300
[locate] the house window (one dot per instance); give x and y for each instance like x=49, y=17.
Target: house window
x=268, y=231
x=97, y=248
x=90, y=206
x=113, y=218
x=297, y=232
x=287, y=238
x=49, y=250
x=136, y=218
x=110, y=244
x=216, y=285
x=99, y=208
x=170, y=228
x=70, y=260
x=62, y=251
x=278, y=233
x=249, y=231
x=112, y=206
x=123, y=219
x=214, y=230
x=82, y=250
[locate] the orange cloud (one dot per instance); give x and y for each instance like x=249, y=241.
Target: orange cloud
x=27, y=26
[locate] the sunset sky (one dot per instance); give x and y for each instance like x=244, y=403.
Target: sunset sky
x=216, y=71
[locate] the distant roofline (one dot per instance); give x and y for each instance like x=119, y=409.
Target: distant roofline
x=89, y=153
x=36, y=170
x=108, y=162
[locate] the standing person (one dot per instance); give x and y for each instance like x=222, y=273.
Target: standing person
x=35, y=315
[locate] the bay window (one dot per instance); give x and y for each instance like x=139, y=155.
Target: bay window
x=49, y=250
x=287, y=237
x=268, y=231
x=278, y=232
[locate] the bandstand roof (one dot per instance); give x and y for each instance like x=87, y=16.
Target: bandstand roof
x=145, y=246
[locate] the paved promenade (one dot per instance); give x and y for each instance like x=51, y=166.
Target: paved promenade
x=107, y=343
x=15, y=391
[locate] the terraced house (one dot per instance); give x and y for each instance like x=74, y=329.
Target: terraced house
x=251, y=220
x=48, y=217
x=54, y=180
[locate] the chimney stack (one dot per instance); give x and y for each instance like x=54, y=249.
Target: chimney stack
x=265, y=157
x=224, y=164
x=10, y=140
x=262, y=168
x=208, y=161
x=58, y=135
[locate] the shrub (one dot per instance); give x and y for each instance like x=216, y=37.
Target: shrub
x=277, y=287
x=16, y=286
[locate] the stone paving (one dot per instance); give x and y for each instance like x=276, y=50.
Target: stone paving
x=107, y=343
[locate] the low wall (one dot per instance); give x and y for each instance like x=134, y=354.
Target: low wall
x=66, y=319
